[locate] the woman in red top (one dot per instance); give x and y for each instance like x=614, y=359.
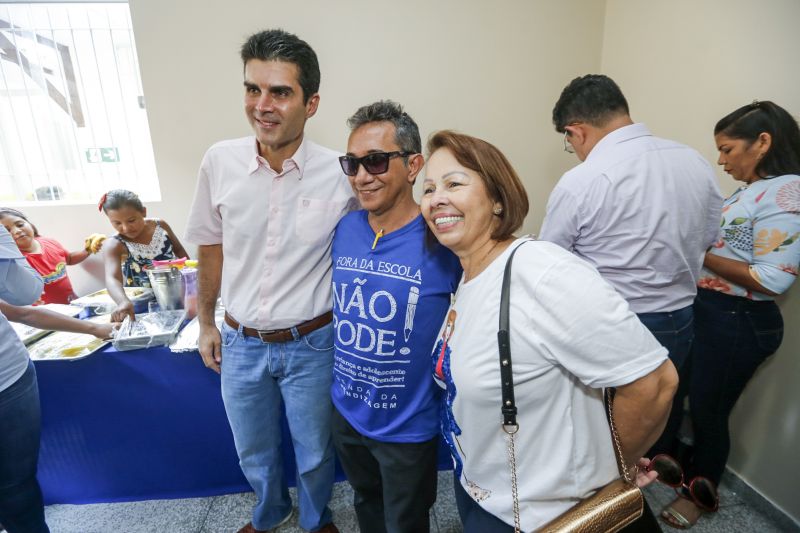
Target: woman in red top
x=45, y=255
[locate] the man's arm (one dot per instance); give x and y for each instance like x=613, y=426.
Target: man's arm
x=209, y=276
x=641, y=409
x=713, y=211
x=560, y=225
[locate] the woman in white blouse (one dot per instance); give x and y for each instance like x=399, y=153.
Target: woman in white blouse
x=571, y=336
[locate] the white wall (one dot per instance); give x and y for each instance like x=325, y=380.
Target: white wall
x=488, y=71
x=683, y=65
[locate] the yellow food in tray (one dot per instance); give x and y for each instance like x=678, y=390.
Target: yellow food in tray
x=62, y=345
x=75, y=351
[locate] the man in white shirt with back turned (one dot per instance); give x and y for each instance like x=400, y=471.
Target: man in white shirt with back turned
x=640, y=209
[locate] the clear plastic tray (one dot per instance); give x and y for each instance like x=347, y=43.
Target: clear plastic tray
x=149, y=329
x=187, y=339
x=65, y=346
x=101, y=303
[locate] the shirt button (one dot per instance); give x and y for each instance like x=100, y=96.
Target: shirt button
x=305, y=203
x=271, y=242
x=274, y=209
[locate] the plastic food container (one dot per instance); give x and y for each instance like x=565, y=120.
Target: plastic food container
x=151, y=329
x=190, y=291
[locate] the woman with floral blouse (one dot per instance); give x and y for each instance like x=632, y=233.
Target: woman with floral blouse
x=737, y=323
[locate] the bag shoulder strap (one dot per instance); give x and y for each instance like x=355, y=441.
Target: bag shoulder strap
x=508, y=408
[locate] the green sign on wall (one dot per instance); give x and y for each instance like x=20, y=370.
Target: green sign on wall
x=102, y=155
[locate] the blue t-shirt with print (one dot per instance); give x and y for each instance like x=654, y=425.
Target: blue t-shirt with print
x=388, y=305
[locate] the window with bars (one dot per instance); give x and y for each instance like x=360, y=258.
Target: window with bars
x=72, y=118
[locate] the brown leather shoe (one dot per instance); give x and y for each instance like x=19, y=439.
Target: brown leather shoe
x=248, y=527
x=328, y=528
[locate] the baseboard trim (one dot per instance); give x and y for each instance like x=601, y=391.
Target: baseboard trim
x=759, y=502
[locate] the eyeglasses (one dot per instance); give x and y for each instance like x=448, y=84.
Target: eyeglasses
x=568, y=145
x=702, y=490
x=376, y=163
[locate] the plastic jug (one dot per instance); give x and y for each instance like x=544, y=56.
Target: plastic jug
x=190, y=291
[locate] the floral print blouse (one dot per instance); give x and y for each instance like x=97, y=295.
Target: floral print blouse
x=760, y=226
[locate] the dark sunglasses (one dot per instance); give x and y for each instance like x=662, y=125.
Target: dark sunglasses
x=702, y=490
x=376, y=163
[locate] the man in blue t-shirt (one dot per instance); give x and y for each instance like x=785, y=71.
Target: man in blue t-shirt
x=391, y=289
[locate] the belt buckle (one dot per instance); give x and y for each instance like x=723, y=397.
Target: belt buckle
x=269, y=332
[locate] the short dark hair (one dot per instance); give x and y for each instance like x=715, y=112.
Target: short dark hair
x=117, y=198
x=279, y=45
x=14, y=213
x=750, y=121
x=594, y=99
x=406, y=131
x=501, y=180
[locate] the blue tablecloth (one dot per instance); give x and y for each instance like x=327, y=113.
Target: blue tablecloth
x=136, y=425
x=139, y=425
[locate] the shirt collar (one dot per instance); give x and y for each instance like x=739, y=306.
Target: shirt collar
x=618, y=136
x=297, y=160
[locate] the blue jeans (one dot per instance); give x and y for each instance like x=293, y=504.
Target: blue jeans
x=675, y=331
x=733, y=337
x=21, y=504
x=256, y=376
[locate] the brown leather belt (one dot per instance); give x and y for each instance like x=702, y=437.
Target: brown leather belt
x=282, y=335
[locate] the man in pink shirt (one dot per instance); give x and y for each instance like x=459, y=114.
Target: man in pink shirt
x=268, y=205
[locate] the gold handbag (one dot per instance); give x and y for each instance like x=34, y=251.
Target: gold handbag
x=611, y=508
x=608, y=510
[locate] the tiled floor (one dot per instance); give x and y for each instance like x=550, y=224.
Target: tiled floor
x=741, y=511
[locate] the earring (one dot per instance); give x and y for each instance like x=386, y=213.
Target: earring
x=497, y=210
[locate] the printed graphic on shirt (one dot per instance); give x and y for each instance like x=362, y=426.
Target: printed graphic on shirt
x=443, y=377
x=441, y=357
x=367, y=325
x=476, y=492
x=58, y=273
x=788, y=197
x=388, y=304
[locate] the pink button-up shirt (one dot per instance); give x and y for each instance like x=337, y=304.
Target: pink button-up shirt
x=275, y=229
